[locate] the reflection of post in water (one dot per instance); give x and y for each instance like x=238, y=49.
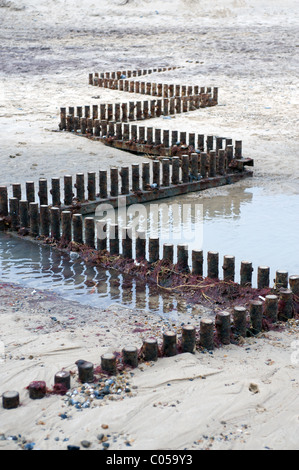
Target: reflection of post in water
x=140, y=295
x=67, y=271
x=102, y=285
x=168, y=304
x=153, y=298
x=114, y=284
x=127, y=289
x=79, y=268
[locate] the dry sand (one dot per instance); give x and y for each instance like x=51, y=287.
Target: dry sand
x=247, y=49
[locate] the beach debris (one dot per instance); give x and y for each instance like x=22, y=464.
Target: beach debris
x=254, y=388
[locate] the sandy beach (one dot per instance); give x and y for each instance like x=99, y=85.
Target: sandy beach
x=238, y=397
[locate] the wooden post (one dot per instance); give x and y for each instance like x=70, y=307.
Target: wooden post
x=182, y=258
x=101, y=235
x=45, y=221
x=157, y=136
x=212, y=166
x=213, y=265
x=135, y=177
x=30, y=191
x=55, y=223
x=140, y=245
x=294, y=286
x=240, y=321
x=55, y=192
x=175, y=170
x=63, y=378
x=150, y=349
x=10, y=400
x=80, y=187
x=77, y=221
x=256, y=315
x=282, y=279
x=34, y=219
x=113, y=239
x=154, y=250
x=103, y=184
x=203, y=165
x=68, y=190
x=127, y=242
x=223, y=326
x=194, y=166
x=91, y=186
x=185, y=168
x=246, y=273
x=17, y=191
x=114, y=182
x=145, y=175
x=156, y=172
x=85, y=371
x=197, y=262
x=271, y=308
x=37, y=390
x=263, y=279
x=24, y=214
x=207, y=334
x=228, y=268
x=285, y=305
x=130, y=356
x=188, y=339
x=66, y=224
x=165, y=172
x=169, y=347
x=124, y=175
x=43, y=192
x=108, y=363
x=89, y=226
x=168, y=252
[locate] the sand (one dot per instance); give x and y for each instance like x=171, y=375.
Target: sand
x=247, y=49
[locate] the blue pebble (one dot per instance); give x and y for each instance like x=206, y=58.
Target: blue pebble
x=29, y=446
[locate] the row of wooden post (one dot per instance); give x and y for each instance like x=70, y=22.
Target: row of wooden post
x=223, y=329
x=159, y=89
x=163, y=173
x=147, y=135
x=52, y=222
x=80, y=116
x=129, y=73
